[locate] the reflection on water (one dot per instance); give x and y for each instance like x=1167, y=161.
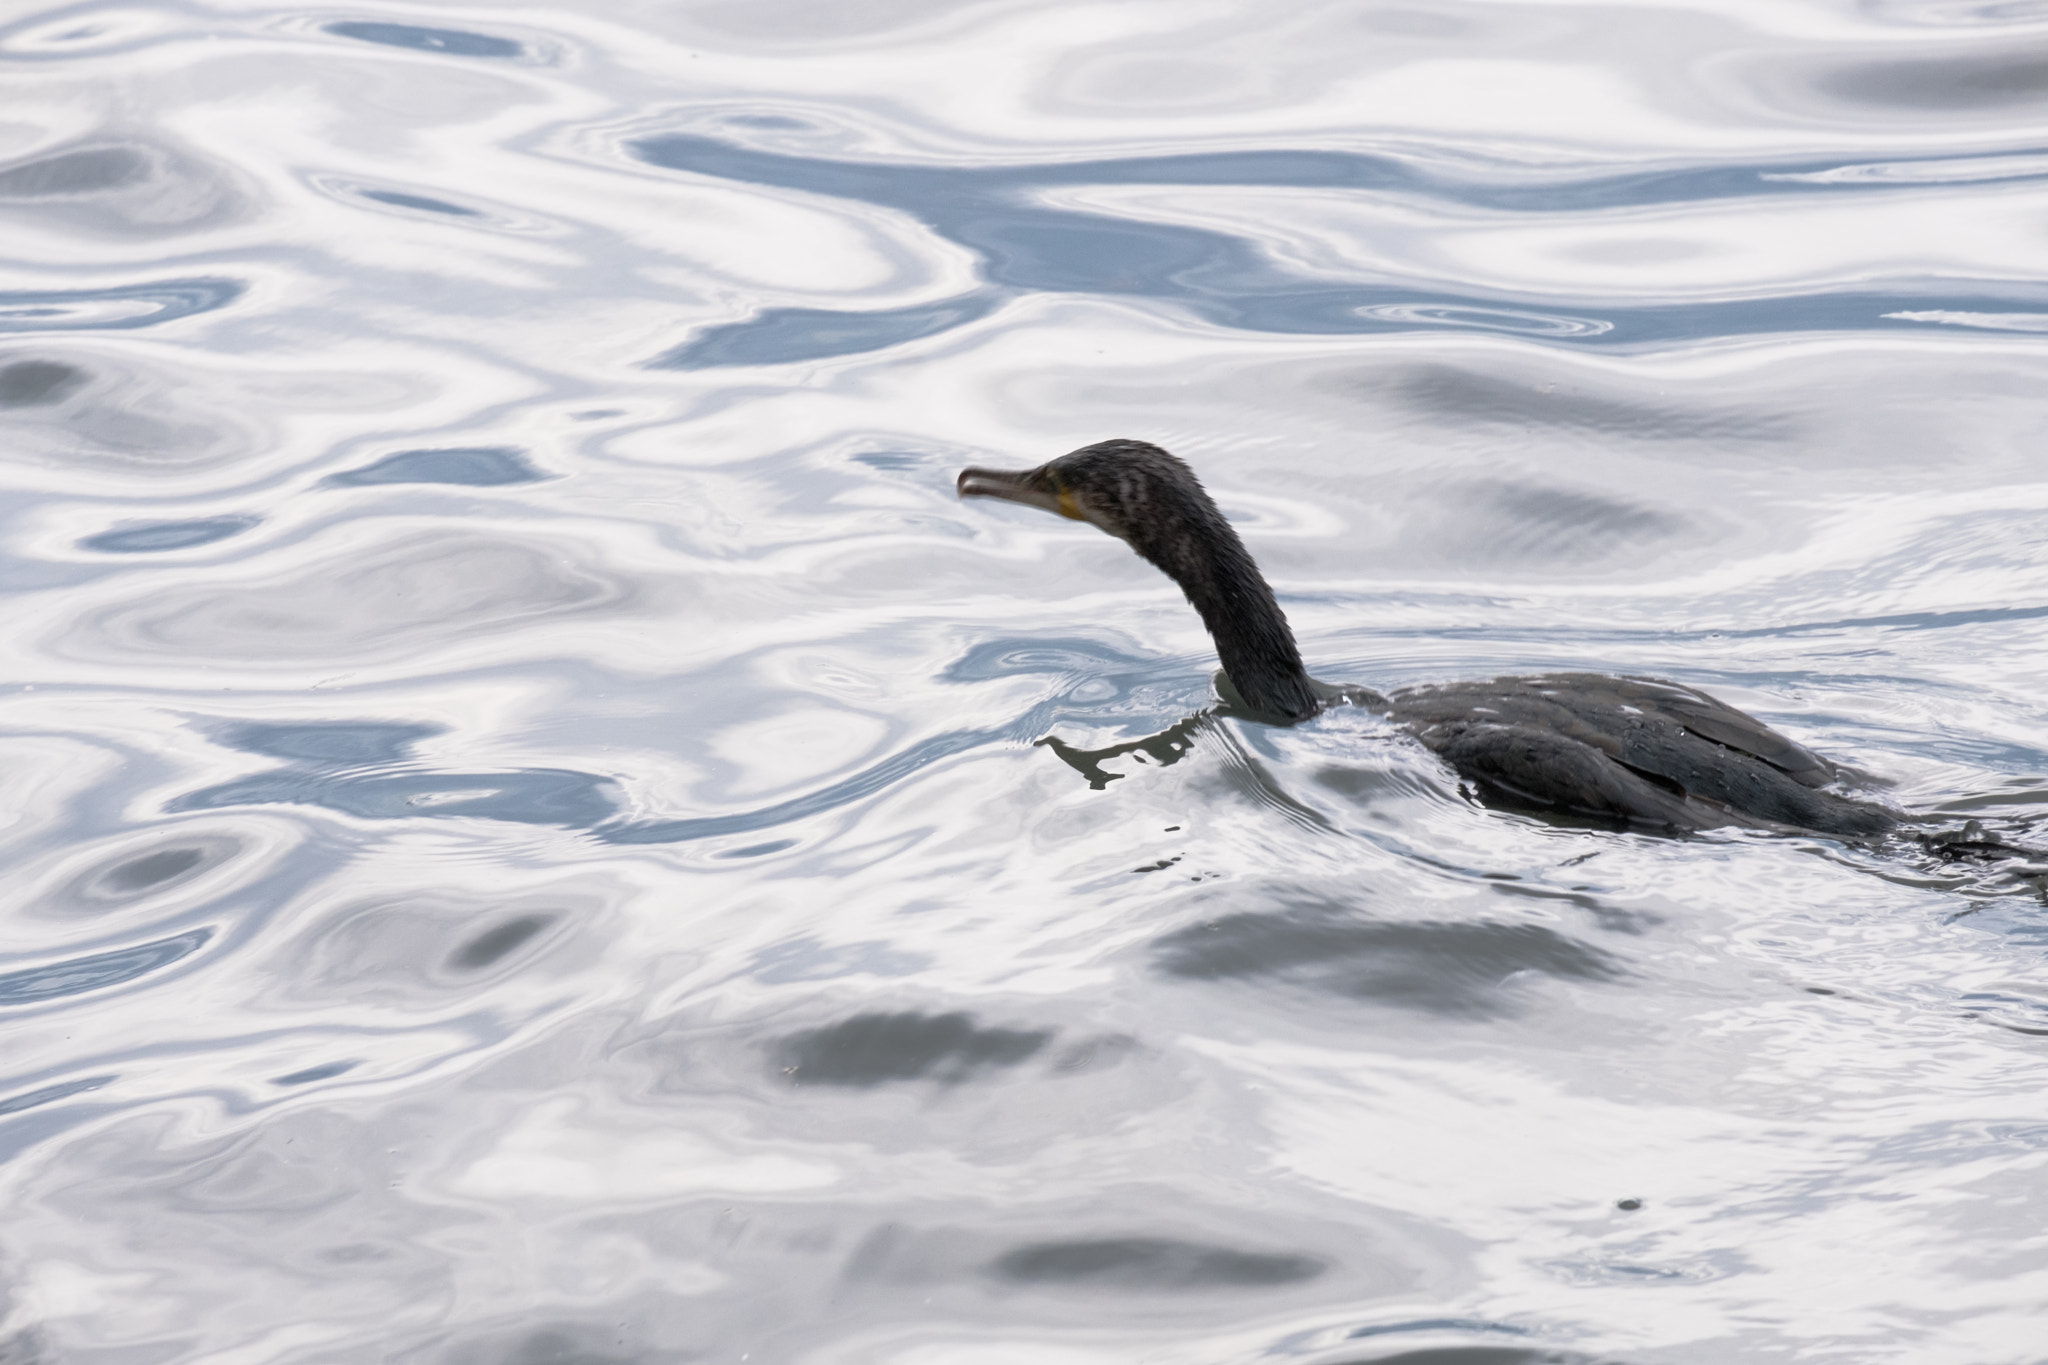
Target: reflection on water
x=1444, y=968
x=872, y=1048
x=541, y=831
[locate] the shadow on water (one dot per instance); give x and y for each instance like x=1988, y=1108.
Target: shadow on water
x=1151, y=1265
x=1468, y=970
x=429, y=947
x=497, y=943
x=1476, y=1355
x=1464, y=1354
x=150, y=869
x=1468, y=397
x=1027, y=247
x=873, y=1049
x=567, y=1343
x=1976, y=82
x=130, y=188
x=38, y=383
x=133, y=875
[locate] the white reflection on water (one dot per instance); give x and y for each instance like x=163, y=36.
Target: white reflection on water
x=543, y=832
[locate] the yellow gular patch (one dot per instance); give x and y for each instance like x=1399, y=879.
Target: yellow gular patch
x=1068, y=507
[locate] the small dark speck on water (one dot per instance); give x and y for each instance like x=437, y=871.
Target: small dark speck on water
x=1628, y=1205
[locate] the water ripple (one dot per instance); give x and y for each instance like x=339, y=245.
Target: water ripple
x=404, y=596
x=1025, y=246
x=453, y=41
x=476, y=466
x=541, y=829
x=167, y=535
x=98, y=971
x=114, y=308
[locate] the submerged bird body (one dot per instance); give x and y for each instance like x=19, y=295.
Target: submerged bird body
x=1633, y=751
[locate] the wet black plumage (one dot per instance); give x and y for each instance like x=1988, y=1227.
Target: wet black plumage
x=1635, y=751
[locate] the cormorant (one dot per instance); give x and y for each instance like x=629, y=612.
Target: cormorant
x=1635, y=751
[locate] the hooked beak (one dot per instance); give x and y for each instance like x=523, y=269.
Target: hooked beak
x=1010, y=486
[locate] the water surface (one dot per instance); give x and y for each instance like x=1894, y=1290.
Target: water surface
x=542, y=832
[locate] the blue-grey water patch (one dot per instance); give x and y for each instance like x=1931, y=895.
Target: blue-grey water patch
x=529, y=796
x=50, y=1094
x=477, y=466
x=424, y=203
x=1022, y=245
x=867, y=782
x=97, y=971
x=783, y=335
x=167, y=535
x=326, y=741
x=324, y=1072
x=453, y=41
x=83, y=171
x=118, y=308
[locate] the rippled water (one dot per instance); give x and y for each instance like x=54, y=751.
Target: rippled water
x=540, y=830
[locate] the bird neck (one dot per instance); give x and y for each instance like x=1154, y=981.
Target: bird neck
x=1252, y=637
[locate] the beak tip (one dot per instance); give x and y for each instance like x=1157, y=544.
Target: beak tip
x=975, y=482
x=1005, y=486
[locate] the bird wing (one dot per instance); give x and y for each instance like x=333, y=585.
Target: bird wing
x=1649, y=752
x=1723, y=724
x=1531, y=765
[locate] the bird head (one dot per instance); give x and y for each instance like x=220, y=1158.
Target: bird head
x=1154, y=503
x=1132, y=489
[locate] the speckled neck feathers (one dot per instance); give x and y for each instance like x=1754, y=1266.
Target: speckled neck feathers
x=1164, y=513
